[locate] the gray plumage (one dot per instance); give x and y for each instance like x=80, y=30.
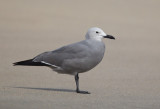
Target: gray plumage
x=78, y=57
x=74, y=58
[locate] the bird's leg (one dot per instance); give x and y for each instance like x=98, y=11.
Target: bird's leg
x=77, y=85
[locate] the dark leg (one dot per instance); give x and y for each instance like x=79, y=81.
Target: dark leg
x=77, y=85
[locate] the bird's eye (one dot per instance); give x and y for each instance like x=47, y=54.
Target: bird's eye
x=97, y=32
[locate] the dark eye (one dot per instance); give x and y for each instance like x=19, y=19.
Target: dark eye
x=97, y=32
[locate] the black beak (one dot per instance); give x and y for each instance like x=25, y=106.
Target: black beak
x=109, y=36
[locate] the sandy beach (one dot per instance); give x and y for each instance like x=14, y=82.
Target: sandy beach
x=127, y=78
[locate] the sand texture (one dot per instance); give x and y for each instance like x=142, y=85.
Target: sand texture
x=127, y=78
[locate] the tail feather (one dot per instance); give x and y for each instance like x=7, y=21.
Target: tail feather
x=29, y=63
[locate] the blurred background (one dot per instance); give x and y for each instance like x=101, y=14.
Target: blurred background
x=128, y=76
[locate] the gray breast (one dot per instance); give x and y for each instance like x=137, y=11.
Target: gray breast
x=88, y=58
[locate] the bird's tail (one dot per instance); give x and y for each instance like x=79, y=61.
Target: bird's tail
x=29, y=62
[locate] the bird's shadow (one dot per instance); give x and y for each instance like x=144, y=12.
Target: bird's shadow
x=47, y=89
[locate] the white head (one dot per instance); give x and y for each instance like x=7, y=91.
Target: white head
x=97, y=34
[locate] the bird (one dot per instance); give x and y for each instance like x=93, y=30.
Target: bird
x=74, y=58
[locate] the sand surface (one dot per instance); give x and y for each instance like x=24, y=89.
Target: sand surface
x=127, y=78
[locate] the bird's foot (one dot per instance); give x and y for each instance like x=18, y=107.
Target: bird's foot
x=83, y=92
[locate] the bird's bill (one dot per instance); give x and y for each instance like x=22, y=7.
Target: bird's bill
x=109, y=36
